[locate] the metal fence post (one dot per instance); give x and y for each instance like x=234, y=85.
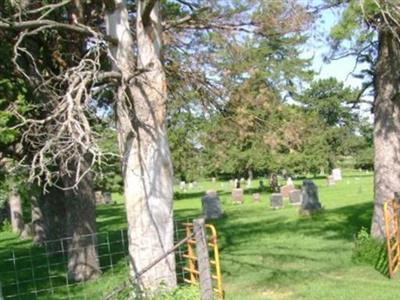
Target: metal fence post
x=203, y=260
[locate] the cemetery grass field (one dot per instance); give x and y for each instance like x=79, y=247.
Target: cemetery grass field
x=274, y=254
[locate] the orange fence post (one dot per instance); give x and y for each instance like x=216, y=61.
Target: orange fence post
x=391, y=220
x=215, y=265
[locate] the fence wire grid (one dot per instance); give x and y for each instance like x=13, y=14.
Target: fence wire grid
x=41, y=272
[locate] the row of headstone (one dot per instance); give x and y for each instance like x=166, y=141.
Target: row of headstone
x=295, y=198
x=308, y=198
x=191, y=185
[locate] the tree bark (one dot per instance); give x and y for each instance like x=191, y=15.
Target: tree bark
x=146, y=165
x=80, y=204
x=386, y=127
x=54, y=213
x=17, y=220
x=38, y=224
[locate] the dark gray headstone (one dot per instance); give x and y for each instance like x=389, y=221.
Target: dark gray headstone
x=256, y=197
x=295, y=197
x=276, y=200
x=310, y=202
x=211, y=205
x=237, y=196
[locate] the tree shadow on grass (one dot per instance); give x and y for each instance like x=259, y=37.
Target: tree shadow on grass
x=250, y=244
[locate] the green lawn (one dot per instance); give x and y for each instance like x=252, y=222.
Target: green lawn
x=276, y=254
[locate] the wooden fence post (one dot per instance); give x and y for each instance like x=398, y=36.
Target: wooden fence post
x=203, y=260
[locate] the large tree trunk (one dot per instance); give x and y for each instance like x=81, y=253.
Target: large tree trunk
x=54, y=214
x=146, y=166
x=17, y=220
x=80, y=204
x=386, y=127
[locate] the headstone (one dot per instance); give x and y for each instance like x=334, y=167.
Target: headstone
x=242, y=179
x=211, y=205
x=250, y=172
x=330, y=180
x=237, y=196
x=286, y=189
x=248, y=185
x=276, y=200
x=195, y=184
x=182, y=185
x=310, y=202
x=289, y=181
x=213, y=179
x=256, y=197
x=190, y=185
x=337, y=174
x=107, y=198
x=99, y=197
x=295, y=197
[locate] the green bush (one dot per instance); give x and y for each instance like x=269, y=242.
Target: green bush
x=6, y=226
x=181, y=293
x=367, y=250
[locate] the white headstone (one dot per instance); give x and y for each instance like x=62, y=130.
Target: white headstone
x=191, y=185
x=337, y=174
x=289, y=181
x=248, y=185
x=182, y=185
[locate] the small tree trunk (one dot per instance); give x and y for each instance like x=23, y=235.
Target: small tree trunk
x=17, y=220
x=83, y=263
x=146, y=166
x=38, y=224
x=386, y=127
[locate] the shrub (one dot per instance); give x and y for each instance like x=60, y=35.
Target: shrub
x=182, y=293
x=6, y=226
x=367, y=250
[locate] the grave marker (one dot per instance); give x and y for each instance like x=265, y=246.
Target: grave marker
x=295, y=197
x=256, y=197
x=237, y=196
x=211, y=205
x=310, y=202
x=276, y=200
x=337, y=174
x=285, y=190
x=330, y=180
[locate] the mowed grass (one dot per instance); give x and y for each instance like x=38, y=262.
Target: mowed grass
x=276, y=254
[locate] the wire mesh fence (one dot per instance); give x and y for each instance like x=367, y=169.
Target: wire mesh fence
x=42, y=272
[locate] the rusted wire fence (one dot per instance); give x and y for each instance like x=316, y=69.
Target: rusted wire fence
x=31, y=272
